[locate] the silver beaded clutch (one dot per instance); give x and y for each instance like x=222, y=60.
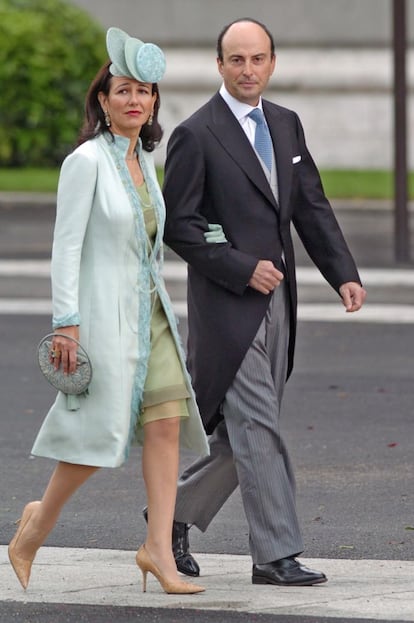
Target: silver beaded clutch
x=71, y=384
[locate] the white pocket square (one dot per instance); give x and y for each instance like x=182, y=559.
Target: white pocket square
x=296, y=159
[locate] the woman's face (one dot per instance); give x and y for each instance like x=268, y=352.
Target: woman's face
x=129, y=103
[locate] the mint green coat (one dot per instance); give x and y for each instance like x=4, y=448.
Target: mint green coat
x=101, y=280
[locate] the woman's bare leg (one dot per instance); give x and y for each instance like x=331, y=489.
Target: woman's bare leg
x=160, y=459
x=65, y=480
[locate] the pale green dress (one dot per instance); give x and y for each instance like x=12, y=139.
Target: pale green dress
x=165, y=380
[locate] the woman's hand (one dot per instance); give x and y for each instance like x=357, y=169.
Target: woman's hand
x=215, y=233
x=64, y=352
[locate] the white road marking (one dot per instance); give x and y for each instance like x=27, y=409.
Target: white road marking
x=307, y=312
x=177, y=271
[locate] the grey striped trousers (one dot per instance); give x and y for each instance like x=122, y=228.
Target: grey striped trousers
x=246, y=448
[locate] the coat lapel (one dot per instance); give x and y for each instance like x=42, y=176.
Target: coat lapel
x=281, y=145
x=230, y=135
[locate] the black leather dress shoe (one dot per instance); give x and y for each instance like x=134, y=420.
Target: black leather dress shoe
x=181, y=548
x=286, y=572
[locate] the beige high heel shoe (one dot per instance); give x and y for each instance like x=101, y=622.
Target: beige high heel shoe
x=145, y=563
x=22, y=566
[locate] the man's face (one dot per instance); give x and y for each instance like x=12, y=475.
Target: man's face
x=247, y=62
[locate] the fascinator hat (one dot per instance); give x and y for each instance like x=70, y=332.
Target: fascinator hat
x=132, y=57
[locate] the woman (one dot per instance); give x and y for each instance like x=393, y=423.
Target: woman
x=108, y=293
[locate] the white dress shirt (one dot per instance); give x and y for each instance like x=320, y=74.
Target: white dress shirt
x=241, y=111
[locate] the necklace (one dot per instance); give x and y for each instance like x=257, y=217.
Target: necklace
x=144, y=196
x=156, y=258
x=131, y=158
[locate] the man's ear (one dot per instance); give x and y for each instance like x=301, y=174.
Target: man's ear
x=273, y=63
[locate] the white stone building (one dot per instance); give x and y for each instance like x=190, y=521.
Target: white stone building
x=334, y=65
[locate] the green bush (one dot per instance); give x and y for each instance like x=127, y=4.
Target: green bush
x=49, y=53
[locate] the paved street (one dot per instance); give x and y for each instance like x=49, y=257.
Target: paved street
x=347, y=417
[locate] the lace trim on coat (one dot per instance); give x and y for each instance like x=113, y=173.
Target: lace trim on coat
x=148, y=269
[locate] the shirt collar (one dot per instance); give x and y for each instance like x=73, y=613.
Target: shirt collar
x=239, y=109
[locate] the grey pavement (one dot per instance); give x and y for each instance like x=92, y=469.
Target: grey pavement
x=358, y=588
x=347, y=419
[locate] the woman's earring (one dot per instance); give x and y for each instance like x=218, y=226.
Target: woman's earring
x=150, y=119
x=107, y=119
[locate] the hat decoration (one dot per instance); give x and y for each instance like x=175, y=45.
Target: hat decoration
x=132, y=57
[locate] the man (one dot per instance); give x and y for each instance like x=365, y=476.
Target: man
x=231, y=196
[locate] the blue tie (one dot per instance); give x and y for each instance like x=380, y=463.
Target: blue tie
x=262, y=141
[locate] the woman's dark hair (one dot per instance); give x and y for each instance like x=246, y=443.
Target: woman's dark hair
x=236, y=21
x=94, y=120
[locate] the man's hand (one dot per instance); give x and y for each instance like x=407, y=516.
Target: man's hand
x=265, y=277
x=353, y=295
